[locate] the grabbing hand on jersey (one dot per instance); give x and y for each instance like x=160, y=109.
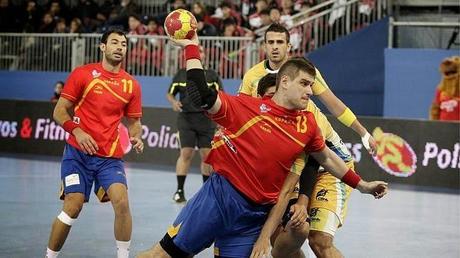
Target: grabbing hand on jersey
x=299, y=215
x=87, y=144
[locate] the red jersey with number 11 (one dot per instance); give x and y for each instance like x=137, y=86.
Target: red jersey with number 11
x=259, y=143
x=101, y=99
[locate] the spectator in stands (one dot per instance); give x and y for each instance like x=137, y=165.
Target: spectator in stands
x=227, y=12
x=275, y=15
x=57, y=91
x=265, y=18
x=61, y=26
x=446, y=103
x=255, y=21
x=47, y=25
x=30, y=17
x=135, y=25
x=122, y=11
x=9, y=21
x=287, y=11
x=198, y=9
x=204, y=28
x=57, y=9
x=154, y=27
x=76, y=26
x=179, y=4
x=87, y=11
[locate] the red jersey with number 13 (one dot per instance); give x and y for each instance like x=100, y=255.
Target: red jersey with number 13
x=101, y=99
x=259, y=143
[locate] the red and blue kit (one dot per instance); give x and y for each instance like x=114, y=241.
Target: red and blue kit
x=259, y=144
x=101, y=99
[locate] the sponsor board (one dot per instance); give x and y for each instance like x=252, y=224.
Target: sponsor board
x=410, y=151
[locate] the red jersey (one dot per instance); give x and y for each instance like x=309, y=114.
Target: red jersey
x=449, y=106
x=101, y=99
x=259, y=144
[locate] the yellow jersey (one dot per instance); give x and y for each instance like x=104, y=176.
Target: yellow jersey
x=252, y=77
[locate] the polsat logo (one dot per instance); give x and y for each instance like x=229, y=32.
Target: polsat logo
x=394, y=154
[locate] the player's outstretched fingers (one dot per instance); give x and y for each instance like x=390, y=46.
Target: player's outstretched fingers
x=94, y=144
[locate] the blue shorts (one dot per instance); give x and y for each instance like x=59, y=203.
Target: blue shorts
x=79, y=171
x=218, y=213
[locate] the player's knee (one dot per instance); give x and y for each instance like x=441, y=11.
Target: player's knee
x=66, y=219
x=301, y=232
x=319, y=241
x=72, y=209
x=121, y=205
x=186, y=154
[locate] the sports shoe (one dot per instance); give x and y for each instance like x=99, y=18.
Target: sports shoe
x=179, y=196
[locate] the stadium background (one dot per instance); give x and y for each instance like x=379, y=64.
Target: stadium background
x=383, y=62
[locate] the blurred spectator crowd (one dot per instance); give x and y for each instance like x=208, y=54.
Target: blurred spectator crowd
x=95, y=16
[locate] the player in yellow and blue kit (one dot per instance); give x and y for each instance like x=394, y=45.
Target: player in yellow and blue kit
x=321, y=235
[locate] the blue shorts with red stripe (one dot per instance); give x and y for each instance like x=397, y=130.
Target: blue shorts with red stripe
x=79, y=171
x=217, y=213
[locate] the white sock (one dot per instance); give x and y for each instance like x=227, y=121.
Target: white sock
x=51, y=254
x=123, y=249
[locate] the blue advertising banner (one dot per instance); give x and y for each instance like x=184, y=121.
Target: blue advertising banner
x=410, y=152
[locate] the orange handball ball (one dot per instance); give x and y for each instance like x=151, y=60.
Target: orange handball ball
x=180, y=24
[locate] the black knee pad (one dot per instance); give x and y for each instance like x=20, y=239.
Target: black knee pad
x=168, y=245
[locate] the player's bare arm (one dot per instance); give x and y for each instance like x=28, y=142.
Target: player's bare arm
x=331, y=162
x=175, y=104
x=135, y=131
x=262, y=246
x=338, y=108
x=61, y=115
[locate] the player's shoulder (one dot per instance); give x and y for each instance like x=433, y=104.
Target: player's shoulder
x=89, y=67
x=256, y=69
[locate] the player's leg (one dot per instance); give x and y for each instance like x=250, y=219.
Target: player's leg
x=111, y=182
x=206, y=169
x=322, y=245
x=327, y=212
x=205, y=129
x=75, y=189
x=196, y=226
x=288, y=241
x=73, y=203
x=187, y=139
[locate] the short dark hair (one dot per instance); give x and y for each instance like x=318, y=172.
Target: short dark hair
x=276, y=27
x=109, y=32
x=292, y=67
x=269, y=80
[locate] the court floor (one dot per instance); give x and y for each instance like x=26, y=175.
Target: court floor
x=407, y=223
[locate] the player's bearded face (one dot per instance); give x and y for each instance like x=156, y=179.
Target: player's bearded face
x=300, y=91
x=115, y=48
x=276, y=46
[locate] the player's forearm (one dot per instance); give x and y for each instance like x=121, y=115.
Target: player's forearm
x=276, y=213
x=303, y=200
x=61, y=112
x=331, y=162
x=342, y=112
x=358, y=128
x=134, y=127
x=171, y=99
x=308, y=177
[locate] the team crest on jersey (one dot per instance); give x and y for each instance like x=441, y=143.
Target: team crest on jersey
x=95, y=73
x=264, y=109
